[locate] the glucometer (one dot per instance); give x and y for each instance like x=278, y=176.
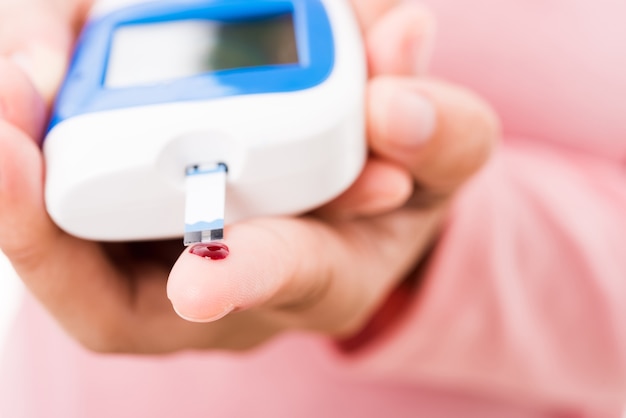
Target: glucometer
x=174, y=102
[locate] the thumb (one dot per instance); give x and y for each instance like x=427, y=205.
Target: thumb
x=45, y=65
x=38, y=37
x=20, y=103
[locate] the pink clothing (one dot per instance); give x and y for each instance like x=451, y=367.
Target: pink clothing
x=524, y=306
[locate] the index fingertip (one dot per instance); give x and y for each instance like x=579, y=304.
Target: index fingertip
x=369, y=11
x=44, y=65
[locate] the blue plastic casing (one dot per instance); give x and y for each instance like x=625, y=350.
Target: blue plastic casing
x=84, y=89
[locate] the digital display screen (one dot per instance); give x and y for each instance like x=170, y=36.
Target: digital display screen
x=160, y=52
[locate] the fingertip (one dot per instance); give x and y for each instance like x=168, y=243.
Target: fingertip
x=273, y=263
x=381, y=187
x=369, y=11
x=20, y=104
x=38, y=40
x=17, y=153
x=45, y=67
x=198, y=289
x=466, y=135
x=203, y=283
x=401, y=42
x=22, y=209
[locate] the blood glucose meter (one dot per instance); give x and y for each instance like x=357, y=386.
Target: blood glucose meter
x=270, y=90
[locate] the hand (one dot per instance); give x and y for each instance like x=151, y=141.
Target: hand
x=327, y=272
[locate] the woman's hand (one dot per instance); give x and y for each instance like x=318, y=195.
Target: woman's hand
x=327, y=272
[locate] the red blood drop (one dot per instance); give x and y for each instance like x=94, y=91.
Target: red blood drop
x=213, y=250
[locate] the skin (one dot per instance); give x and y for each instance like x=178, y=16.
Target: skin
x=326, y=272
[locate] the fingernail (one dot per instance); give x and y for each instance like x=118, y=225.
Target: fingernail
x=44, y=65
x=213, y=250
x=226, y=311
x=412, y=119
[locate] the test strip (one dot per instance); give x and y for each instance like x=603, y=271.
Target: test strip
x=205, y=186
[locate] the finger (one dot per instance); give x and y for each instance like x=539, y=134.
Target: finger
x=38, y=36
x=72, y=278
x=20, y=104
x=381, y=187
x=302, y=268
x=107, y=307
x=369, y=11
x=401, y=41
x=441, y=133
x=94, y=300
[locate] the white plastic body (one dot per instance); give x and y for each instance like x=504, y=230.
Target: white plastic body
x=119, y=175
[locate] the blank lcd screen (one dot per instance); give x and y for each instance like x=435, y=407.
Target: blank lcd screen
x=161, y=52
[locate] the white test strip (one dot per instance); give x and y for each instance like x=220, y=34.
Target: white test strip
x=204, y=206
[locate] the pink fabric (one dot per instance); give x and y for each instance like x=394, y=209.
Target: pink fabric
x=522, y=312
